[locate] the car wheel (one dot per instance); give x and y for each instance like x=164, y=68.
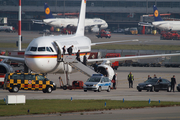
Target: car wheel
x=85, y=90
x=15, y=89
x=169, y=89
x=44, y=91
x=152, y=89
x=99, y=89
x=94, y=90
x=10, y=90
x=179, y=90
x=139, y=90
x=49, y=89
x=109, y=89
x=156, y=90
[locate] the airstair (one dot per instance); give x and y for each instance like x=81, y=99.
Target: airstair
x=71, y=60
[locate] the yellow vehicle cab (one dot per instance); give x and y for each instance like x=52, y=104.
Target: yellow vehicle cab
x=28, y=81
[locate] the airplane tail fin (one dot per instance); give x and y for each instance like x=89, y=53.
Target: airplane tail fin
x=80, y=27
x=157, y=16
x=47, y=11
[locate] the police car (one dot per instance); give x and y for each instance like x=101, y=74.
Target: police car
x=97, y=82
x=28, y=81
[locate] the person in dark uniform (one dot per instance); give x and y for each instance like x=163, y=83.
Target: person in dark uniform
x=149, y=77
x=173, y=82
x=70, y=49
x=114, y=81
x=106, y=72
x=64, y=50
x=78, y=56
x=95, y=66
x=155, y=76
x=85, y=59
x=130, y=79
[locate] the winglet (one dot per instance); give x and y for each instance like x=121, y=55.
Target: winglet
x=157, y=16
x=80, y=27
x=47, y=11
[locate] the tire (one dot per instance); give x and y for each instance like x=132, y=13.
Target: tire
x=139, y=90
x=109, y=89
x=44, y=91
x=49, y=90
x=85, y=90
x=152, y=89
x=156, y=90
x=15, y=89
x=99, y=89
x=64, y=87
x=179, y=90
x=169, y=89
x=10, y=90
x=94, y=90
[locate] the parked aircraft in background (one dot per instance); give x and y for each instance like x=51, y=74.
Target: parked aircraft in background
x=164, y=25
x=94, y=24
x=44, y=54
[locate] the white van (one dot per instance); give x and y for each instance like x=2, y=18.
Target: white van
x=97, y=82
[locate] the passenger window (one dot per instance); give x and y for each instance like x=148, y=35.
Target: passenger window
x=106, y=79
x=47, y=48
x=40, y=77
x=33, y=49
x=29, y=77
x=51, y=49
x=41, y=48
x=102, y=80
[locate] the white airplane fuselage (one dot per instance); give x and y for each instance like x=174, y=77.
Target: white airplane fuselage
x=167, y=25
x=41, y=54
x=64, y=22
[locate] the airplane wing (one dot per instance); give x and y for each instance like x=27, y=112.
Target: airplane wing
x=133, y=57
x=17, y=59
x=113, y=42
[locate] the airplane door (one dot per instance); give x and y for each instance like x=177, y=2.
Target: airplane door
x=58, y=51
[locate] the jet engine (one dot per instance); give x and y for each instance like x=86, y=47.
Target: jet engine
x=5, y=68
x=95, y=29
x=106, y=69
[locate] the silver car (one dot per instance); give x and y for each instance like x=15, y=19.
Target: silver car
x=97, y=82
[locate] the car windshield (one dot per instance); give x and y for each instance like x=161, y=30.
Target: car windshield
x=151, y=80
x=94, y=79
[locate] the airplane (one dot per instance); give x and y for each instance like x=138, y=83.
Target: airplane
x=164, y=25
x=94, y=24
x=44, y=54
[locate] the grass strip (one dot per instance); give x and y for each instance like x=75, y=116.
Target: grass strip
x=64, y=106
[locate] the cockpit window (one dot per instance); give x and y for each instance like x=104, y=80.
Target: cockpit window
x=47, y=48
x=51, y=49
x=41, y=48
x=33, y=49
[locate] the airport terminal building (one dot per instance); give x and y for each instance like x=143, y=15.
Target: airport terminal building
x=117, y=13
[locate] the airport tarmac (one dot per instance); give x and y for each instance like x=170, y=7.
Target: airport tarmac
x=148, y=39
x=122, y=91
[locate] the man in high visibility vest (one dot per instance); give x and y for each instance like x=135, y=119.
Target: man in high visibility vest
x=130, y=79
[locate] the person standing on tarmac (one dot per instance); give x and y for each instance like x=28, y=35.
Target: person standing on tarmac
x=155, y=76
x=130, y=79
x=78, y=56
x=149, y=77
x=114, y=80
x=173, y=82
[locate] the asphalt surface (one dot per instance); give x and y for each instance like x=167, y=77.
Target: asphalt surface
x=122, y=91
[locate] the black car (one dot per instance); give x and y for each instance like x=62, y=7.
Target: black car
x=178, y=87
x=155, y=85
